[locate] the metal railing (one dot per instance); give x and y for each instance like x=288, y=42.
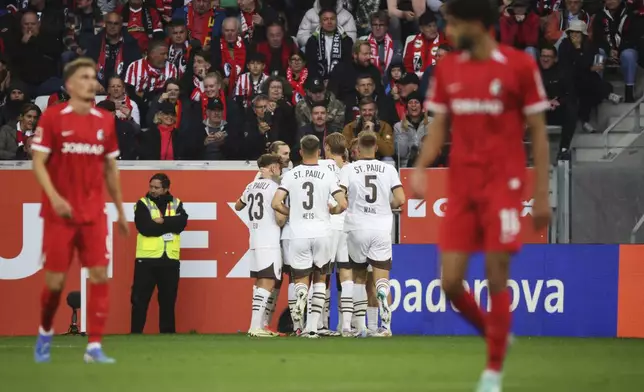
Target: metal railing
x=636, y=228
x=636, y=123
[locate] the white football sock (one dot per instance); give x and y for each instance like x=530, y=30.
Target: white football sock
x=360, y=306
x=372, y=318
x=259, y=307
x=324, y=320
x=298, y=289
x=270, y=307
x=382, y=288
x=346, y=304
x=308, y=302
x=317, y=303
x=291, y=304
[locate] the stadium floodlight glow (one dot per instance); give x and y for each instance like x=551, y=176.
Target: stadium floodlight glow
x=74, y=302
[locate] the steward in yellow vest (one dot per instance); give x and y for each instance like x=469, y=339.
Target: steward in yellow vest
x=159, y=218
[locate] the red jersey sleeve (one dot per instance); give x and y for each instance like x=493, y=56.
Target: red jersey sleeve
x=111, y=140
x=534, y=95
x=156, y=21
x=43, y=140
x=437, y=100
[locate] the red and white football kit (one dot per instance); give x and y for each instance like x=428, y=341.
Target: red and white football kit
x=486, y=103
x=77, y=146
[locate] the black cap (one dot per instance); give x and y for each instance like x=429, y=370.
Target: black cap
x=167, y=108
x=215, y=104
x=314, y=84
x=256, y=57
x=415, y=95
x=409, y=78
x=107, y=105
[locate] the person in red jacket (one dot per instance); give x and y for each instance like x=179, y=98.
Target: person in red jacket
x=519, y=27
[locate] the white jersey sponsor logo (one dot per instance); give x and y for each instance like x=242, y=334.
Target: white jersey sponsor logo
x=82, y=148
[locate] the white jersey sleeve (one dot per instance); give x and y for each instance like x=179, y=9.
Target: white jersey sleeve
x=337, y=220
x=369, y=185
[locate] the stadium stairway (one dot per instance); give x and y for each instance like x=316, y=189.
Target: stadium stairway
x=625, y=141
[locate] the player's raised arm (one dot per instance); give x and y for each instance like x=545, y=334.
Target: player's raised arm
x=240, y=204
x=278, y=201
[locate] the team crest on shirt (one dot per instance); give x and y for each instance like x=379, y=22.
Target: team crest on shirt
x=495, y=87
x=99, y=135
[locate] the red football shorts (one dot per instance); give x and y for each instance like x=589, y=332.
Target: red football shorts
x=483, y=214
x=61, y=238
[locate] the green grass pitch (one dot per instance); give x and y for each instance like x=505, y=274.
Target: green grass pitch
x=235, y=363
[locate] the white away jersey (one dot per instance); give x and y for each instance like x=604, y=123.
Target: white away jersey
x=369, y=184
x=337, y=220
x=264, y=230
x=309, y=188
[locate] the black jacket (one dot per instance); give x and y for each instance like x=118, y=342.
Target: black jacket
x=37, y=60
x=171, y=224
x=127, y=134
x=282, y=123
x=150, y=144
x=342, y=82
x=558, y=84
x=615, y=31
x=130, y=51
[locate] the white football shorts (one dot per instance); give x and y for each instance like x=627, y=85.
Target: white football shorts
x=306, y=253
x=374, y=245
x=339, y=250
x=267, y=263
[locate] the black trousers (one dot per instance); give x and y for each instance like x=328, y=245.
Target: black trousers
x=148, y=274
x=566, y=117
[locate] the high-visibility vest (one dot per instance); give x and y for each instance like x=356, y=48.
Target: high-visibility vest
x=155, y=247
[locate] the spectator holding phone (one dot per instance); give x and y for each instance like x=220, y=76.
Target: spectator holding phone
x=212, y=141
x=126, y=109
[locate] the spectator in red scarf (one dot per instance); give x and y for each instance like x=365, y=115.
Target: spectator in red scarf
x=296, y=75
x=212, y=89
x=395, y=72
x=248, y=83
x=173, y=93
x=405, y=86
x=421, y=51
x=126, y=131
x=200, y=20
x=383, y=47
x=113, y=50
x=148, y=75
x=142, y=21
x=161, y=142
x=212, y=29
x=13, y=136
x=253, y=18
x=126, y=109
x=277, y=49
x=520, y=27
x=229, y=57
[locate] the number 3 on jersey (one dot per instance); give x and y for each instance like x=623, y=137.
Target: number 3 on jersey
x=308, y=187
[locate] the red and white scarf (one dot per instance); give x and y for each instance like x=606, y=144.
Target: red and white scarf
x=127, y=102
x=199, y=96
x=102, y=57
x=389, y=52
x=208, y=22
x=179, y=56
x=232, y=63
x=247, y=88
x=297, y=85
x=247, y=26
x=425, y=51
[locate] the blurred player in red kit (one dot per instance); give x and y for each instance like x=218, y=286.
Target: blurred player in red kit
x=74, y=157
x=488, y=93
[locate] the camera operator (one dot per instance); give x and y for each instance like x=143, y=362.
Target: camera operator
x=368, y=121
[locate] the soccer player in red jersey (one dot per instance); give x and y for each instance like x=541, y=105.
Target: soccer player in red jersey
x=488, y=93
x=74, y=155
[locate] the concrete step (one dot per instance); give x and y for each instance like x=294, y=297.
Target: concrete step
x=596, y=140
x=591, y=147
x=628, y=124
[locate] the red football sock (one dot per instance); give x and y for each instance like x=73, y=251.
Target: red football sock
x=97, y=308
x=470, y=310
x=49, y=303
x=498, y=328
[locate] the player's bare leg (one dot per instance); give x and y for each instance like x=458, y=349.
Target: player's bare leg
x=497, y=270
x=345, y=276
x=454, y=268
x=381, y=277
x=317, y=304
x=360, y=298
x=260, y=301
x=97, y=310
x=372, y=304
x=49, y=300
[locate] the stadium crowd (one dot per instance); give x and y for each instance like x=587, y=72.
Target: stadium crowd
x=223, y=79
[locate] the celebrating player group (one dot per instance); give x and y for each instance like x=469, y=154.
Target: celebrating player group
x=327, y=215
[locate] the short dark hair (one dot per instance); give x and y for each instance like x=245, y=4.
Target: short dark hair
x=26, y=108
x=176, y=23
x=310, y=144
x=381, y=15
x=484, y=11
x=165, y=181
x=364, y=76
x=337, y=143
x=170, y=81
x=367, y=101
x=268, y=159
x=550, y=48
x=367, y=139
x=445, y=47
x=319, y=104
x=324, y=10
x=204, y=55
x=73, y=66
x=428, y=18
x=275, y=22
x=156, y=44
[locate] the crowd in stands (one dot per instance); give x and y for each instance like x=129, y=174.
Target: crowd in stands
x=223, y=79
